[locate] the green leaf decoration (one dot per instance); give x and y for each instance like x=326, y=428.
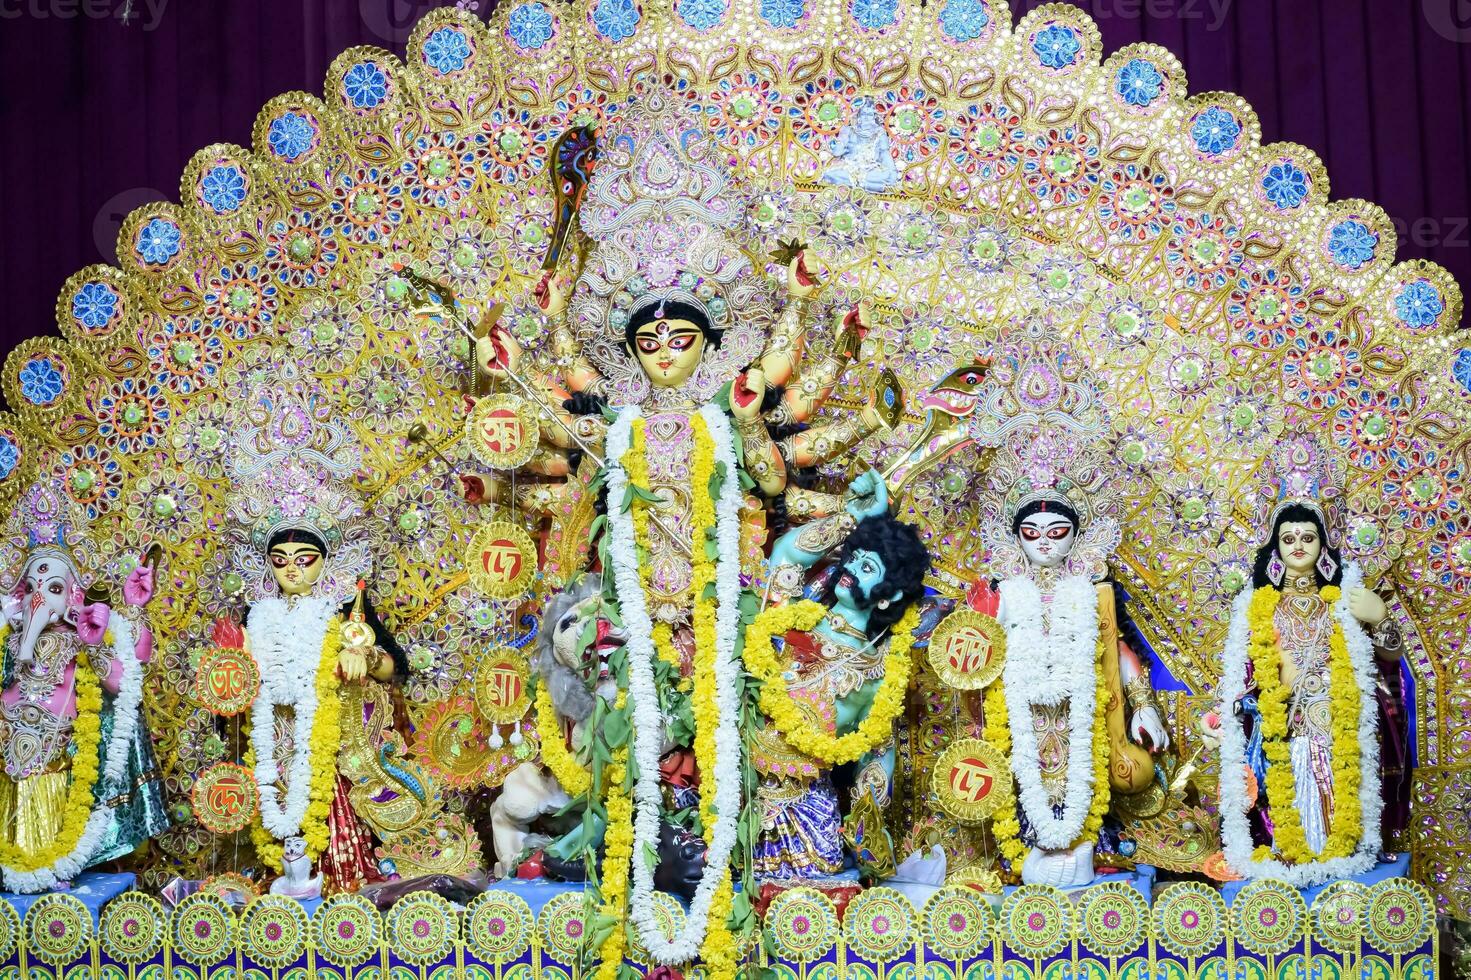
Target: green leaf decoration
x=646, y=495
x=616, y=727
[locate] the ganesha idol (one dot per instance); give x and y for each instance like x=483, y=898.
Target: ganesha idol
x=80, y=785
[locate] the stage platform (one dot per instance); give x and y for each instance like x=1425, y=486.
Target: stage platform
x=533, y=931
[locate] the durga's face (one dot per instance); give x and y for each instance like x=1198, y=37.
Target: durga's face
x=669, y=350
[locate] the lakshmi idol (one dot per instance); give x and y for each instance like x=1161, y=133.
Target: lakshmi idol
x=1307, y=695
x=80, y=785
x=319, y=647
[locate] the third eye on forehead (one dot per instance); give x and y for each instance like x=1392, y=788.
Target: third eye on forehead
x=1290, y=532
x=667, y=331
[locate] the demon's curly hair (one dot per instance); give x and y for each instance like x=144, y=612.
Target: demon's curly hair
x=906, y=561
x=1296, y=514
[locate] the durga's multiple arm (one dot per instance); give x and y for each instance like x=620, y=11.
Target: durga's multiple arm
x=805, y=389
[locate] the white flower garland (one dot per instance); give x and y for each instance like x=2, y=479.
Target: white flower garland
x=286, y=642
x=643, y=695
x=1235, y=824
x=1044, y=667
x=125, y=711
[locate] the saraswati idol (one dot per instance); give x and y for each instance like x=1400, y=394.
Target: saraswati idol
x=1073, y=706
x=80, y=785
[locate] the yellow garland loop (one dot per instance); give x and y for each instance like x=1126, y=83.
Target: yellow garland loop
x=1006, y=827
x=1266, y=657
x=636, y=466
x=1101, y=790
x=617, y=855
x=554, y=752
x=779, y=705
x=664, y=647
x=718, y=951
x=326, y=739
x=706, y=712
x=87, y=734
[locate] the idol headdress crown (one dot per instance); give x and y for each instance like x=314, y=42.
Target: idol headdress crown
x=43, y=522
x=295, y=496
x=1042, y=412
x=660, y=212
x=1299, y=472
x=290, y=463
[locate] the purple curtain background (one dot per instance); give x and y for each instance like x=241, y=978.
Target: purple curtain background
x=98, y=116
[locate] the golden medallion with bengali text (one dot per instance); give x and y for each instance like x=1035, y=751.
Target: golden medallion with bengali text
x=226, y=680
x=970, y=780
x=503, y=431
x=967, y=650
x=225, y=797
x=501, y=561
x=501, y=686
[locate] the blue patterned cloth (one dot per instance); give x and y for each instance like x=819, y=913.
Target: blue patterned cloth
x=92, y=888
x=138, y=811
x=801, y=837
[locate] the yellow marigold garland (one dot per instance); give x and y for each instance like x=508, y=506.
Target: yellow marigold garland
x=87, y=734
x=706, y=712
x=326, y=739
x=1006, y=827
x=617, y=855
x=636, y=465
x=554, y=752
x=1102, y=793
x=1266, y=658
x=718, y=951
x=664, y=647
x=779, y=705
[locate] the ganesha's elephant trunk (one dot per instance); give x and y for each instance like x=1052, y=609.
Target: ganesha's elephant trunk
x=36, y=619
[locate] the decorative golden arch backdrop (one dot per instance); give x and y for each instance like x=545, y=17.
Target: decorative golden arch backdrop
x=1208, y=279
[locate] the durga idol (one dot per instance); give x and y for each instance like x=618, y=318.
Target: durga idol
x=677, y=385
